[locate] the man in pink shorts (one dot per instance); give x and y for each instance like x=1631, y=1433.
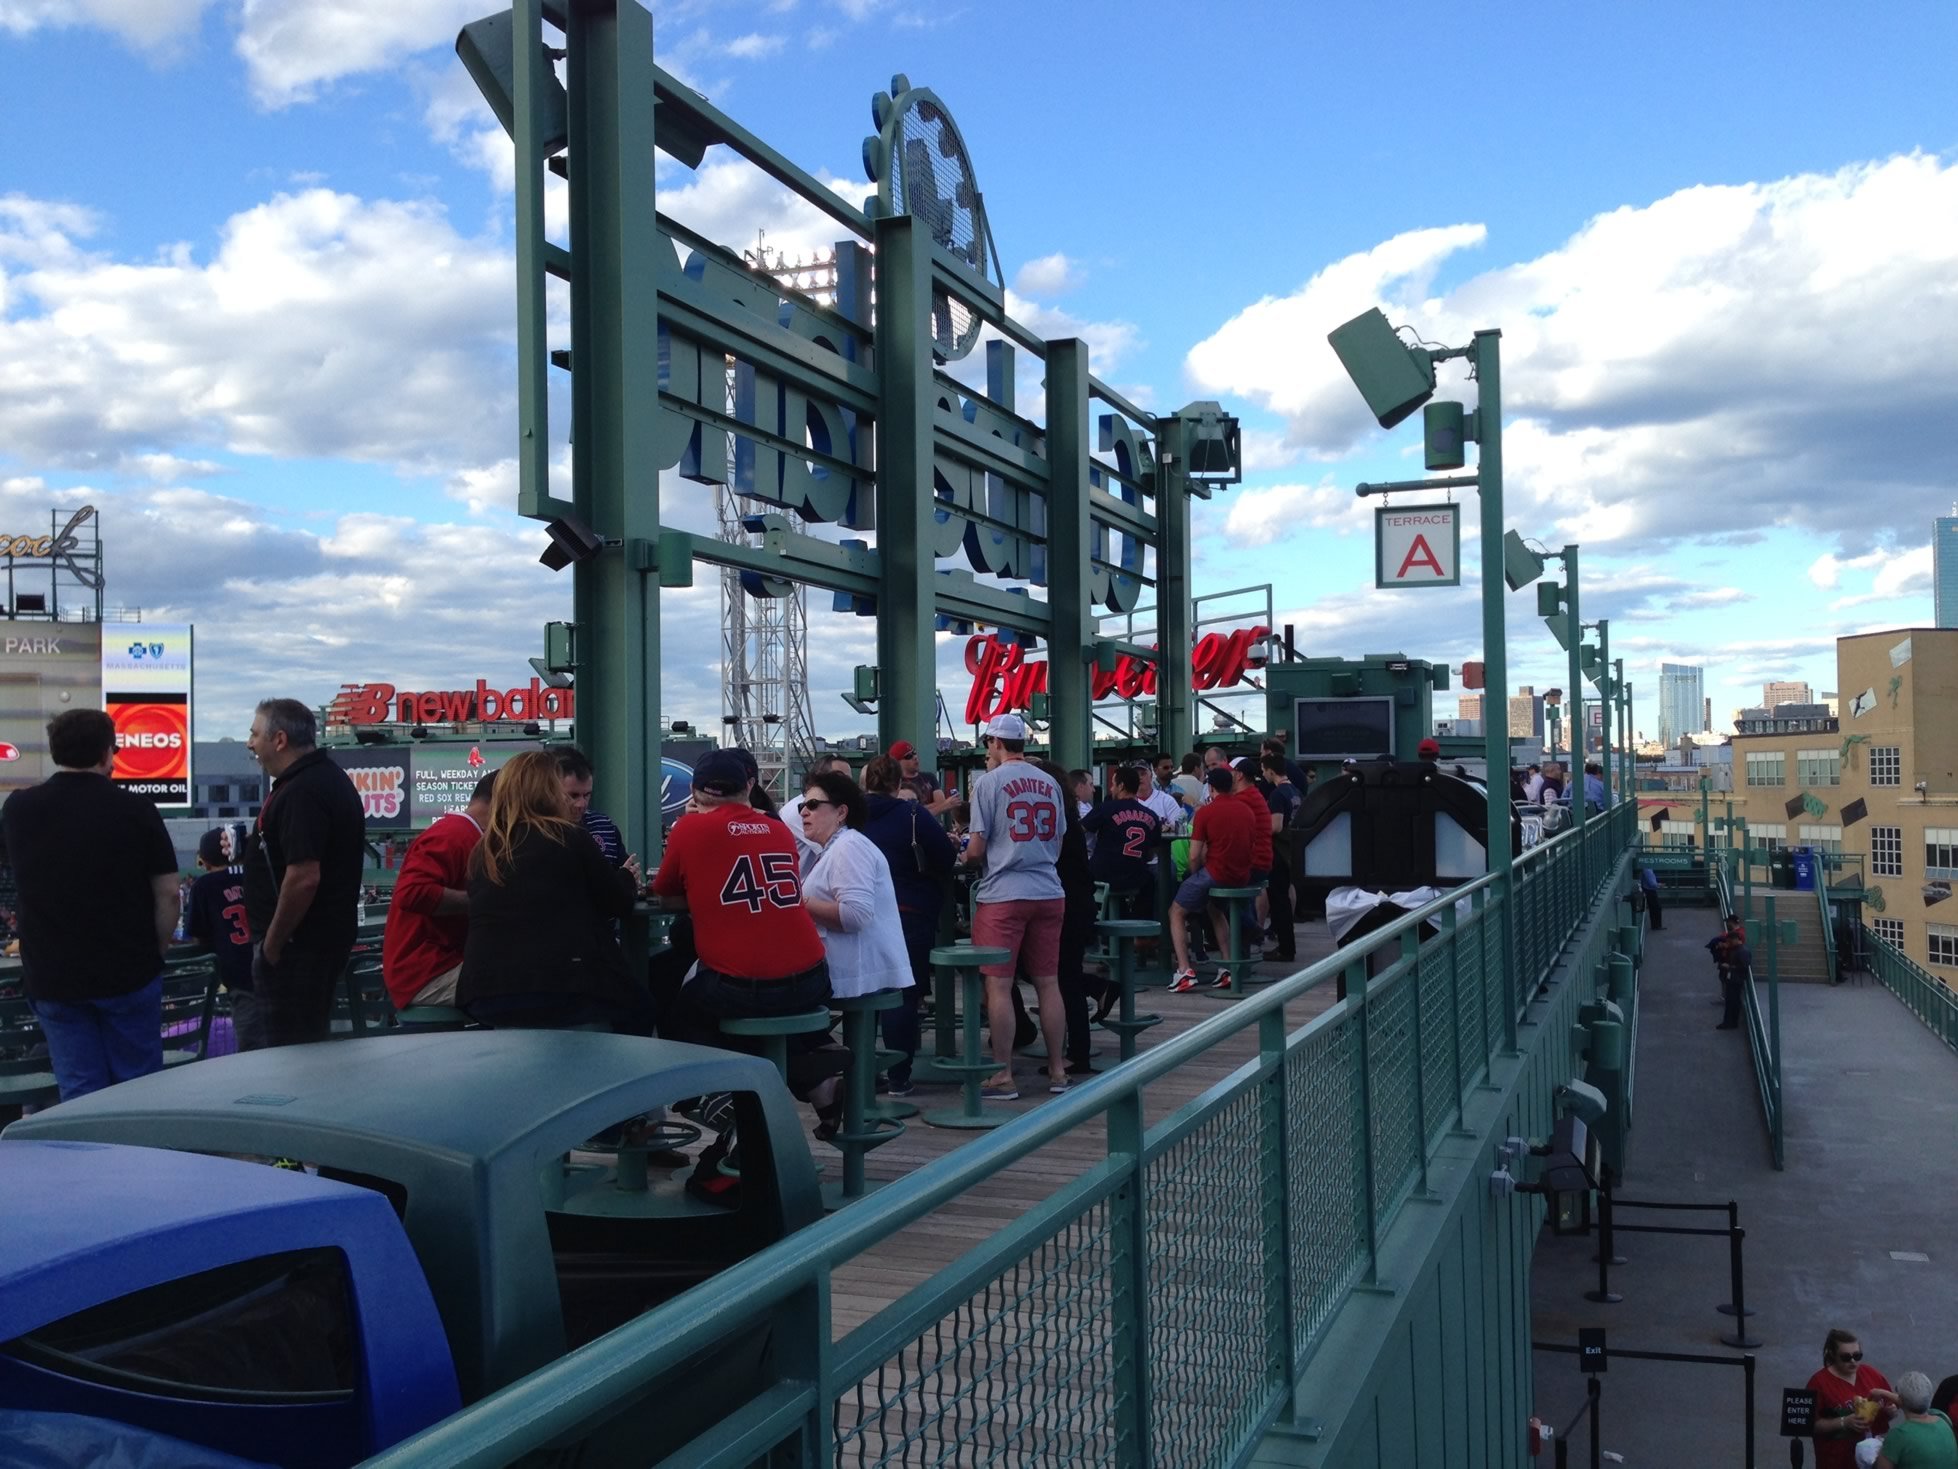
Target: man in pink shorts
x=1018, y=819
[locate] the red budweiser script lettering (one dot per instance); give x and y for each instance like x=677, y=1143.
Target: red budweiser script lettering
x=1003, y=679
x=377, y=703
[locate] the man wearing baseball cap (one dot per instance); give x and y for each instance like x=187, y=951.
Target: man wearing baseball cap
x=1019, y=815
x=920, y=782
x=215, y=918
x=1428, y=750
x=735, y=870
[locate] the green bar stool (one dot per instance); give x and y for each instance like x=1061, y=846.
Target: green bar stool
x=863, y=1127
x=27, y=1082
x=1121, y=934
x=963, y=960
x=769, y=1034
x=627, y=1190
x=1239, y=905
x=940, y=1063
x=431, y=1017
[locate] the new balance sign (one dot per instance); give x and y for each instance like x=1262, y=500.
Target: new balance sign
x=1418, y=547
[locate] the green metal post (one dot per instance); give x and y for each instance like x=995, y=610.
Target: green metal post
x=614, y=385
x=1275, y=1194
x=1706, y=830
x=1621, y=706
x=1574, y=695
x=1072, y=639
x=1129, y=1270
x=1486, y=354
x=530, y=75
x=1605, y=684
x=1176, y=719
x=907, y=654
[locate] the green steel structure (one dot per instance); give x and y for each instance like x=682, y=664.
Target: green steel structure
x=1306, y=1265
x=834, y=413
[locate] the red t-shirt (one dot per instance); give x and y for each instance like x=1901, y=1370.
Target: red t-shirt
x=1227, y=827
x=1253, y=800
x=743, y=884
x=1832, y=1394
x=419, y=944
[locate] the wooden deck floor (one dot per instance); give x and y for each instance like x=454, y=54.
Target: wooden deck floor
x=913, y=1255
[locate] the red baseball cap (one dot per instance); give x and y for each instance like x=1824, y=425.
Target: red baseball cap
x=903, y=750
x=1427, y=748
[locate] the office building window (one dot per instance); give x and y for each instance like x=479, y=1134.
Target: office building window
x=1818, y=767
x=1822, y=838
x=218, y=793
x=1767, y=835
x=1886, y=851
x=1886, y=765
x=1890, y=930
x=1940, y=852
x=1766, y=769
x=1941, y=946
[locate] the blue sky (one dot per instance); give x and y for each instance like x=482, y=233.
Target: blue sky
x=256, y=294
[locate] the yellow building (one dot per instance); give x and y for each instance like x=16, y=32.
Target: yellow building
x=1877, y=783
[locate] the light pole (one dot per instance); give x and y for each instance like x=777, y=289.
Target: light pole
x=1395, y=379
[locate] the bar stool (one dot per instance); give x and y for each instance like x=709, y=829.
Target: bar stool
x=1121, y=934
x=1239, y=904
x=963, y=961
x=862, y=1128
x=770, y=1034
x=430, y=1017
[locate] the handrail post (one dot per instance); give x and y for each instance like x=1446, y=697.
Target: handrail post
x=1747, y=1374
x=1450, y=938
x=1737, y=1275
x=1129, y=1269
x=1356, y=996
x=1281, y=1341
x=1411, y=975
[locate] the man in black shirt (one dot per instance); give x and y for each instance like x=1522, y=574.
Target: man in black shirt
x=302, y=877
x=216, y=920
x=1125, y=833
x=98, y=901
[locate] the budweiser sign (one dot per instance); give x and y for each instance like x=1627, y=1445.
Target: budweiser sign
x=1004, y=680
x=378, y=703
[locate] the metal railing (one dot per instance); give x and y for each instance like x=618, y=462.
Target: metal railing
x=1923, y=995
x=1831, y=960
x=1160, y=1306
x=1763, y=1032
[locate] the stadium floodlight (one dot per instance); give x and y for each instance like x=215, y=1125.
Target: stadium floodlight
x=1394, y=378
x=571, y=541
x=1520, y=565
x=488, y=51
x=548, y=676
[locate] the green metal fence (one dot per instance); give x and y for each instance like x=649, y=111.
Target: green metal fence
x=1763, y=1028
x=1156, y=1309
x=1926, y=998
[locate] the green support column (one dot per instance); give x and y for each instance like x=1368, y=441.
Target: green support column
x=1072, y=640
x=1574, y=695
x=1486, y=354
x=1607, y=692
x=907, y=653
x=615, y=392
x=530, y=75
x=1628, y=763
x=1176, y=716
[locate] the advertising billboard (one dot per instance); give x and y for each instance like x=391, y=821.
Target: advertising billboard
x=145, y=681
x=45, y=667
x=444, y=772
x=381, y=776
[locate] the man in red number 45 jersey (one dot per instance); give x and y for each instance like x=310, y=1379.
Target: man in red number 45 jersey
x=1018, y=820
x=737, y=873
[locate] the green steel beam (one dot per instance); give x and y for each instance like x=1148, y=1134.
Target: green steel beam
x=1574, y=692
x=906, y=643
x=1176, y=710
x=1071, y=634
x=531, y=76
x=1486, y=356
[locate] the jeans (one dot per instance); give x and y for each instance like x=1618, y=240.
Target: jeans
x=1279, y=894
x=900, y=1026
x=97, y=1043
x=292, y=1001
x=711, y=997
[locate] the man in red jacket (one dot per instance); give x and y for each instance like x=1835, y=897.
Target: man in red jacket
x=421, y=954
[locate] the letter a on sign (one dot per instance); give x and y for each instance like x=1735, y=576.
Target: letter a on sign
x=1420, y=546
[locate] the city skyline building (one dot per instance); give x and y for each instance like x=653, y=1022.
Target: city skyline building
x=1786, y=691
x=1682, y=701
x=1944, y=569
x=1468, y=706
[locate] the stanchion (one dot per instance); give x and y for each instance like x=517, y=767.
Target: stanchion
x=1604, y=1295
x=1738, y=1337
x=1734, y=1307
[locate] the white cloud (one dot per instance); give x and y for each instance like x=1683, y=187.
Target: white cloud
x=1049, y=275
x=324, y=325
x=1722, y=360
x=1826, y=570
x=159, y=27
x=292, y=48
x=1273, y=513
x=753, y=46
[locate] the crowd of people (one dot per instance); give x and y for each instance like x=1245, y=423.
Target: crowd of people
x=1861, y=1420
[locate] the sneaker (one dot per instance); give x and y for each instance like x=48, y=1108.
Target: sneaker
x=1080, y=1068
x=1184, y=983
x=999, y=1091
x=899, y=1089
x=1222, y=981
x=1058, y=1084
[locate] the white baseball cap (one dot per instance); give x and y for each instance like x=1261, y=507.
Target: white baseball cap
x=1006, y=727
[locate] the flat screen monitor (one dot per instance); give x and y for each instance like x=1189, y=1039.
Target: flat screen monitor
x=1340, y=729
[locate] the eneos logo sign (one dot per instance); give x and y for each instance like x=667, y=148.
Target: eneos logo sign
x=152, y=741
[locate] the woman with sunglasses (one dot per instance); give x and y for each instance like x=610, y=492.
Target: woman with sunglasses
x=1852, y=1401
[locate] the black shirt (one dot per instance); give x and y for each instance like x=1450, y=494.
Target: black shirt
x=83, y=855
x=217, y=921
x=1124, y=829
x=1284, y=801
x=314, y=814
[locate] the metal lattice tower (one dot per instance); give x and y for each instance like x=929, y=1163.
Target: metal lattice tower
x=765, y=640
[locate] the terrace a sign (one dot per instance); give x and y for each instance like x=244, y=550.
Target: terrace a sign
x=380, y=703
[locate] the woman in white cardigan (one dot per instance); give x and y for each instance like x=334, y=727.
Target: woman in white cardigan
x=848, y=891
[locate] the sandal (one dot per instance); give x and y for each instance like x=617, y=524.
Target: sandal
x=1059, y=1084
x=997, y=1090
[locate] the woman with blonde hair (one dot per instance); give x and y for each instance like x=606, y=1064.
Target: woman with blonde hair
x=542, y=948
